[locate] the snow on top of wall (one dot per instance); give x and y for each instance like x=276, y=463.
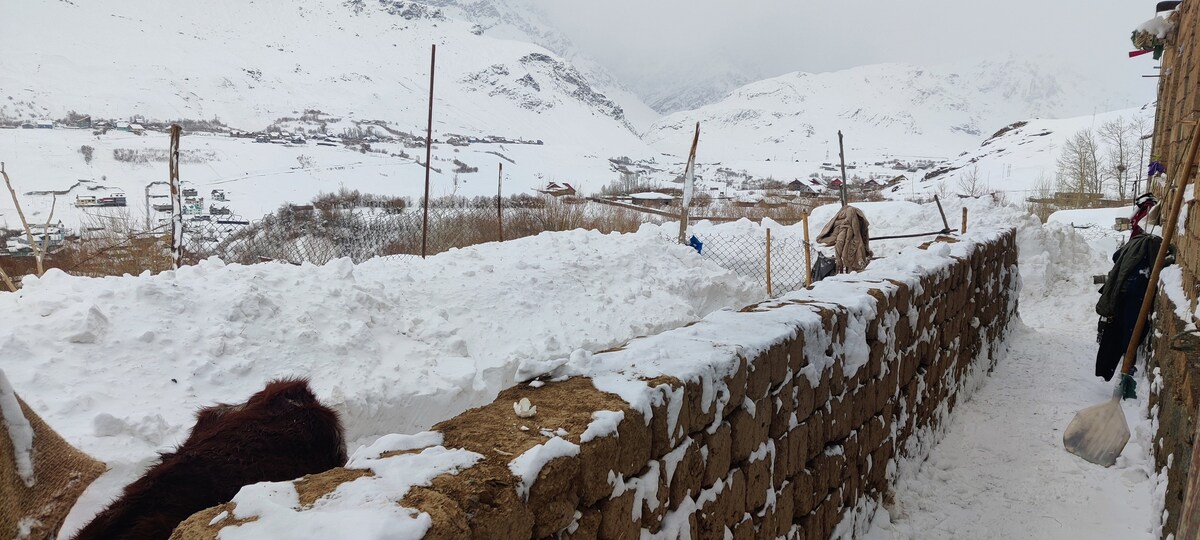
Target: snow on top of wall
x=366, y=507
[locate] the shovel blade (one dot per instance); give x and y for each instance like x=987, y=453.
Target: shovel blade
x=1098, y=433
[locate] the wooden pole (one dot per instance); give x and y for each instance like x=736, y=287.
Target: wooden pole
x=963, y=230
x=945, y=224
x=1168, y=235
x=176, y=199
x=688, y=173
x=807, y=253
x=768, y=262
x=842, y=155
x=499, y=198
x=428, y=156
x=21, y=213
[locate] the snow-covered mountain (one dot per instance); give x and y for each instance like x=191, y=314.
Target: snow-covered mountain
x=884, y=110
x=254, y=62
x=523, y=20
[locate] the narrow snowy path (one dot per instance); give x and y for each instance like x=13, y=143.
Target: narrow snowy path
x=1001, y=471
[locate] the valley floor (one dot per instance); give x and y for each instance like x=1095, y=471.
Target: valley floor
x=1001, y=471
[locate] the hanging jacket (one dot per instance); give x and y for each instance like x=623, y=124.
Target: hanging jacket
x=1137, y=254
x=848, y=233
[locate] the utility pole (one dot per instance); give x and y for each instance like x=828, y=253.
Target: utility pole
x=428, y=156
x=842, y=154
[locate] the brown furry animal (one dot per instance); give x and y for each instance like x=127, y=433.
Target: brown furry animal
x=280, y=433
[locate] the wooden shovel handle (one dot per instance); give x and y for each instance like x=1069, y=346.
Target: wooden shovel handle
x=1168, y=235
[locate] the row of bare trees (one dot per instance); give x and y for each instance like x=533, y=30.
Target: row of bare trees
x=1113, y=155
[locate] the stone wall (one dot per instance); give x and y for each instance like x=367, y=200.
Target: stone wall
x=1174, y=374
x=787, y=418
x=1176, y=386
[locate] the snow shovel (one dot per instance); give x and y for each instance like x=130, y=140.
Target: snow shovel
x=1099, y=433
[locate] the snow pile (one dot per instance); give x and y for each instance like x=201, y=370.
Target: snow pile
x=119, y=365
x=1096, y=225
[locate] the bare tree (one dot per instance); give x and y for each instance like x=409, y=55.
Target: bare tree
x=1120, y=138
x=1140, y=126
x=1079, y=165
x=970, y=184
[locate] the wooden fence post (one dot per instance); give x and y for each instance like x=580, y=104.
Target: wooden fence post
x=807, y=253
x=964, y=225
x=768, y=262
x=176, y=199
x=499, y=198
x=428, y=155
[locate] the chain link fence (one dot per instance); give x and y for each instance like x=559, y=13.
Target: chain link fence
x=747, y=256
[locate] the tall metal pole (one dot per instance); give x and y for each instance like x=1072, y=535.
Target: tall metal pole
x=428, y=156
x=499, y=198
x=842, y=154
x=176, y=200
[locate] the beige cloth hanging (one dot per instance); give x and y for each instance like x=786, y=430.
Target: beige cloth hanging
x=848, y=233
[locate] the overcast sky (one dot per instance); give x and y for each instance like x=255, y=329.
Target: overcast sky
x=641, y=39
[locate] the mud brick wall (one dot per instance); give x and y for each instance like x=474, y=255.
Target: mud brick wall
x=1174, y=373
x=779, y=420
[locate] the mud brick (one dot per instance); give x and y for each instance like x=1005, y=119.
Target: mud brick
x=711, y=523
x=842, y=419
x=837, y=379
x=758, y=482
x=782, y=404
x=780, y=467
x=736, y=383
x=655, y=507
x=777, y=363
x=758, y=378
x=814, y=525
x=745, y=530
x=805, y=394
x=850, y=446
x=662, y=439
x=797, y=358
x=823, y=392
x=696, y=414
x=688, y=474
x=797, y=441
x=750, y=431
x=720, y=451
x=735, y=493
x=766, y=521
x=804, y=493
x=586, y=526
x=616, y=517
x=554, y=496
x=785, y=501
x=818, y=433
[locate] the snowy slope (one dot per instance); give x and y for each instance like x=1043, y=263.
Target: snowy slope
x=252, y=63
x=1020, y=158
x=884, y=110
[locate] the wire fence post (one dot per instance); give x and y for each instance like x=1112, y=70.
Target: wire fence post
x=964, y=225
x=499, y=199
x=807, y=253
x=769, y=262
x=428, y=154
x=689, y=174
x=176, y=200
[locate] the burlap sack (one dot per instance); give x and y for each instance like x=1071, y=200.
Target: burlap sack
x=61, y=473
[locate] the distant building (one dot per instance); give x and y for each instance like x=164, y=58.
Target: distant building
x=651, y=198
x=555, y=189
x=45, y=124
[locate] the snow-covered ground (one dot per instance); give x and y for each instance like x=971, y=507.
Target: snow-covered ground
x=119, y=365
x=1001, y=471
